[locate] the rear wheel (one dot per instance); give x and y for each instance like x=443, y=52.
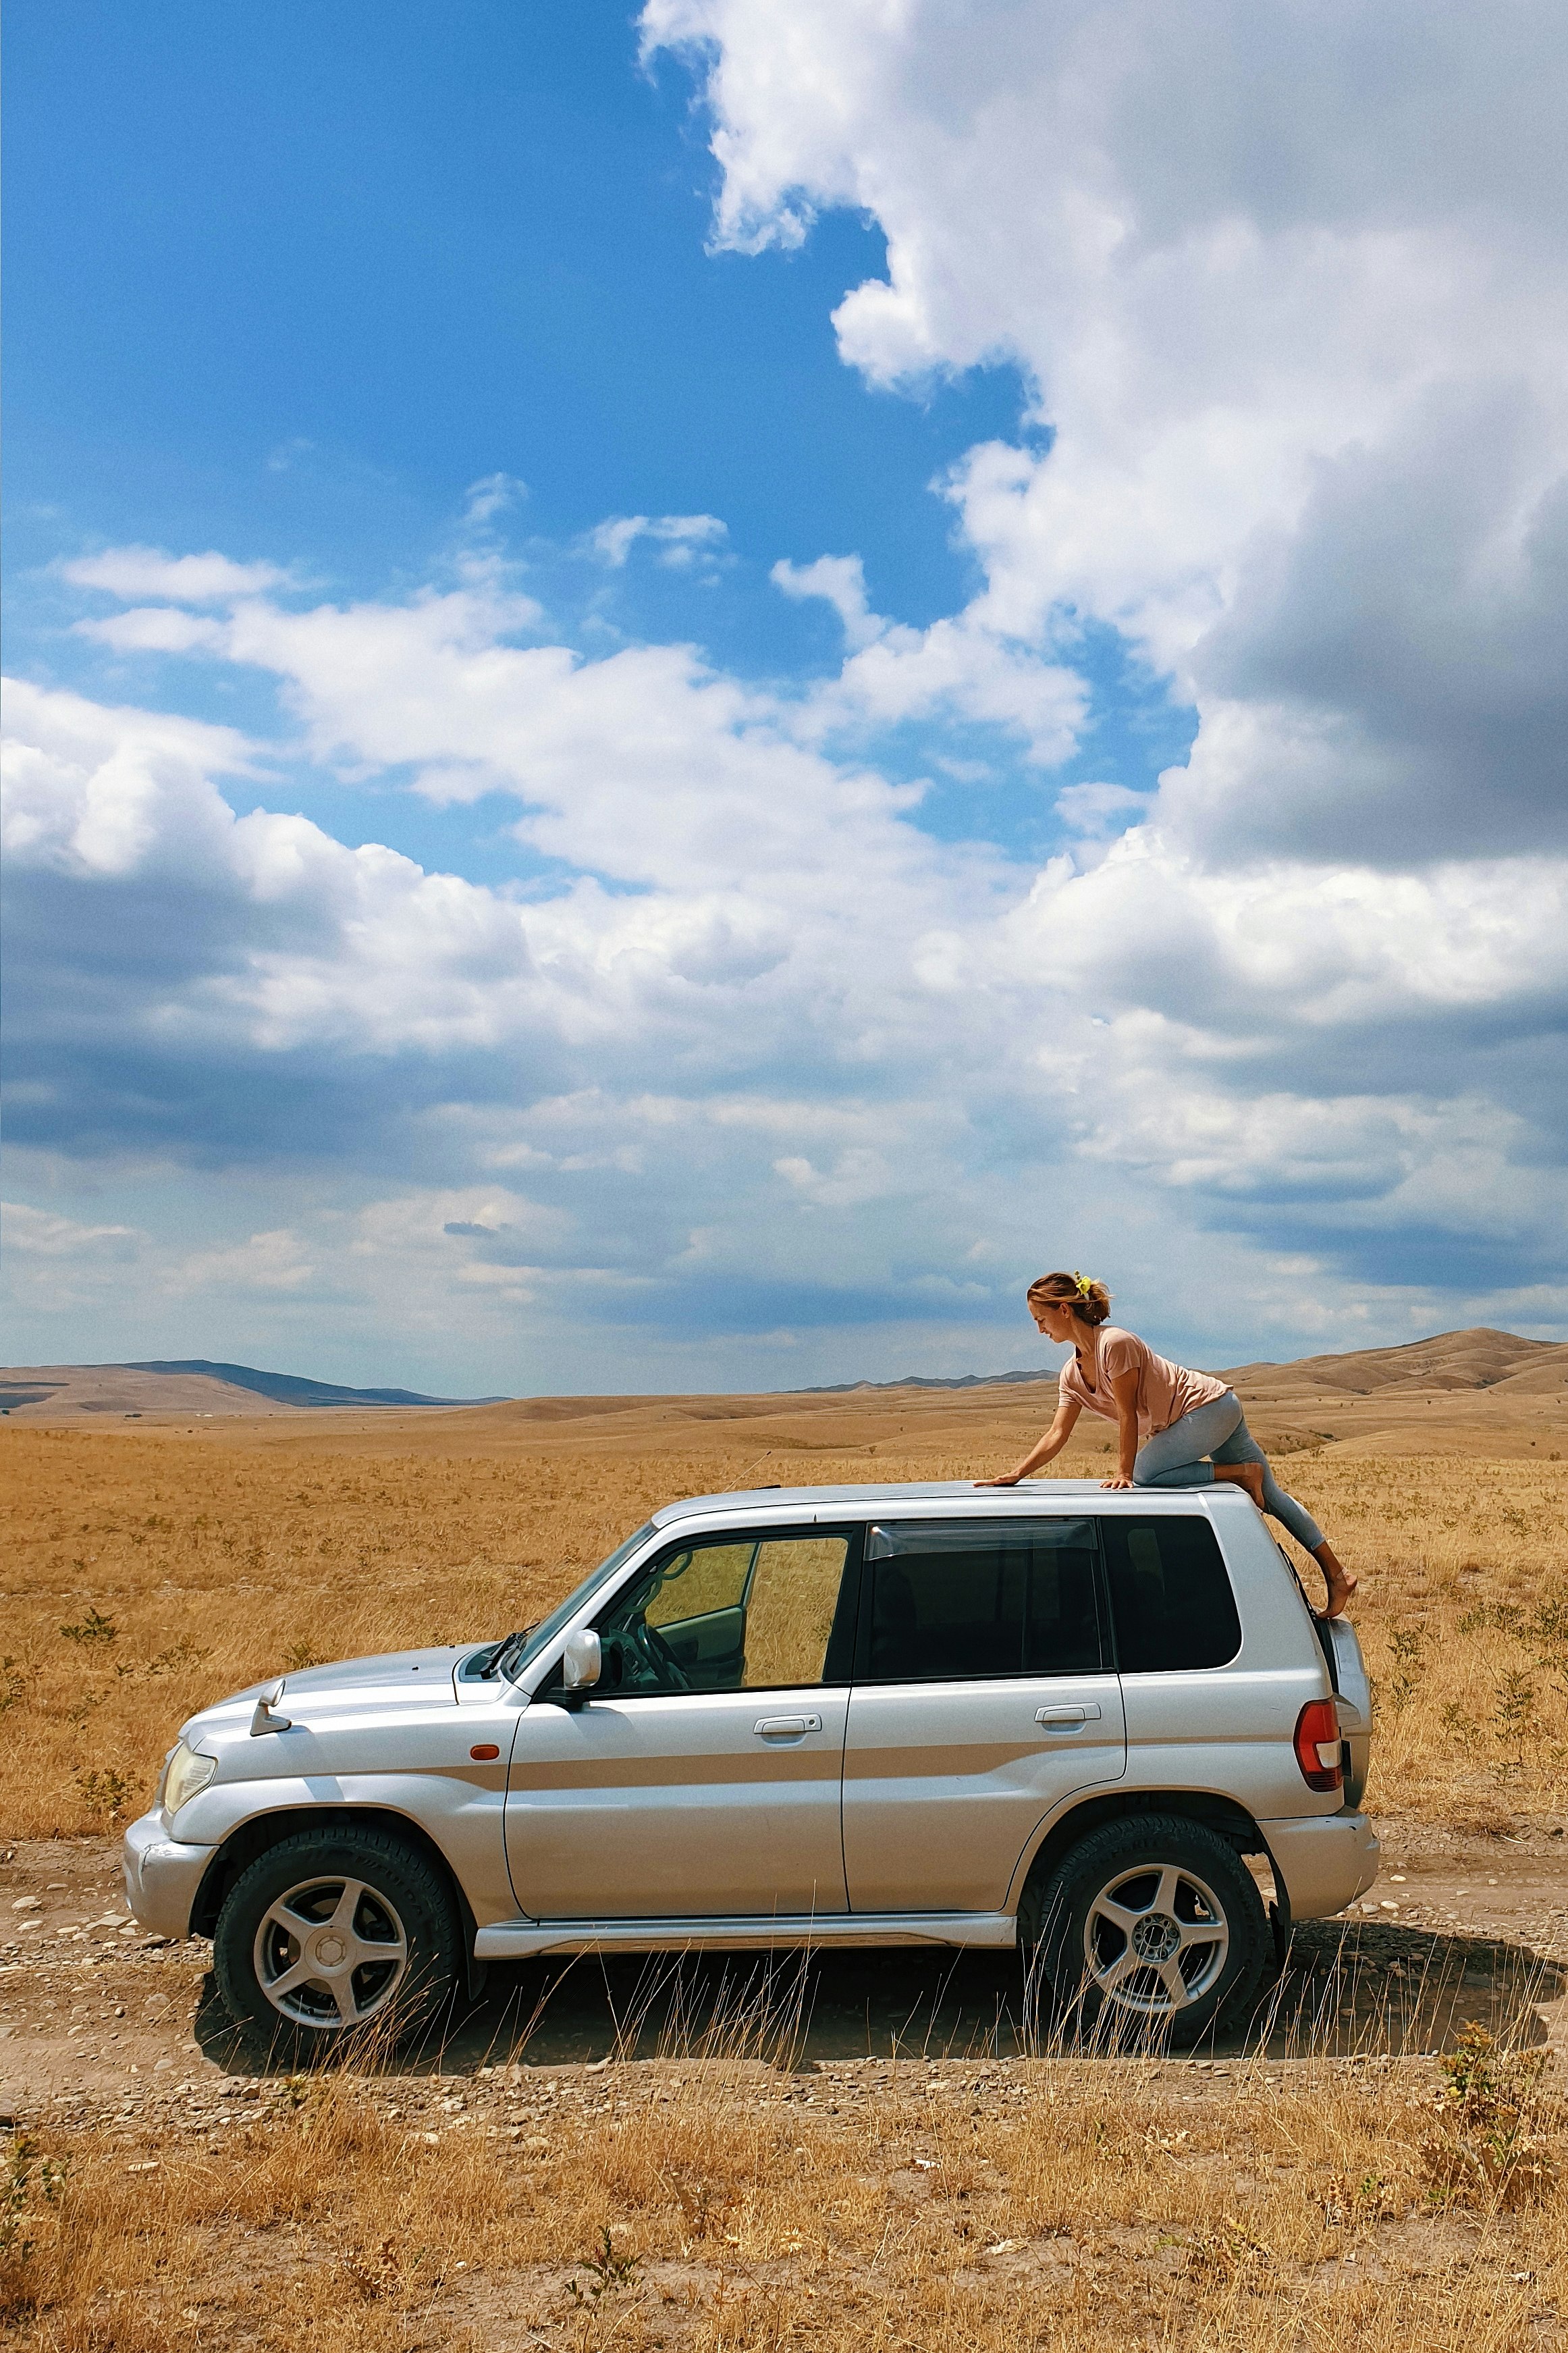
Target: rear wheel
x=331, y=1934
x=1149, y=1930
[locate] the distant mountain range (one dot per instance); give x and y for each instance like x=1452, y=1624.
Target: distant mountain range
x=186, y=1389
x=1511, y=1373
x=289, y=1388
x=1479, y=1358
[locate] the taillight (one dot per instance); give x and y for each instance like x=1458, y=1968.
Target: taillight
x=1317, y=1745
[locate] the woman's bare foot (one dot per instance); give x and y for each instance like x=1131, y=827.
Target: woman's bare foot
x=1338, y=1579
x=1243, y=1474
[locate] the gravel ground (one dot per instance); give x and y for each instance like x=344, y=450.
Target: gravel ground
x=98, y=2020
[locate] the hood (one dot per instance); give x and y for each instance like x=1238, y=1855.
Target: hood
x=420, y=1678
x=420, y=1673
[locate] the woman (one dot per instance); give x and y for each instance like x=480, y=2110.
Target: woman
x=1176, y=1428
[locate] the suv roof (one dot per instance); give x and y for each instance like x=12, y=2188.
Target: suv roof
x=851, y=1501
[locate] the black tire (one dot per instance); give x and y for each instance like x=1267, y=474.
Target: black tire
x=337, y=1934
x=1143, y=1907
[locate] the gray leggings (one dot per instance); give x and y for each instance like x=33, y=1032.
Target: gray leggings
x=1174, y=1458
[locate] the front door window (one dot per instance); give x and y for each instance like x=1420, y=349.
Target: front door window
x=754, y=1615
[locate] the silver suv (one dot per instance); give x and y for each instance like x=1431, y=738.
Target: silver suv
x=1052, y=1715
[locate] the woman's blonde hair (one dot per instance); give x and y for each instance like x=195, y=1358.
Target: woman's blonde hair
x=1089, y=1301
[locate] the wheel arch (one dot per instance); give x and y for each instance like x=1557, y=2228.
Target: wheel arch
x=252, y=1839
x=1215, y=1811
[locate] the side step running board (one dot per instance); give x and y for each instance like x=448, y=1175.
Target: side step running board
x=517, y=1940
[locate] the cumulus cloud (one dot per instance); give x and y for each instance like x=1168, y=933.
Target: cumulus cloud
x=1291, y=293
x=210, y=579
x=885, y=1067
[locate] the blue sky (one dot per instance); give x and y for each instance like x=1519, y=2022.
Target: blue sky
x=934, y=625
x=290, y=278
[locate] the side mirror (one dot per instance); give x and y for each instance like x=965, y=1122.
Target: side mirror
x=582, y=1661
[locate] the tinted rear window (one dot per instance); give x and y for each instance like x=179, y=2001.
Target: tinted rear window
x=955, y=1600
x=1170, y=1596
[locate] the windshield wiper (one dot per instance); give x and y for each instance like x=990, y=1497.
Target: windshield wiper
x=495, y=1664
x=481, y=1664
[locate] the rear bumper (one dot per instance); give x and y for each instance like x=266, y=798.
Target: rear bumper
x=162, y=1876
x=1323, y=1862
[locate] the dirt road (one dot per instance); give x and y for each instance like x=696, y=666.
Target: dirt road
x=99, y=2022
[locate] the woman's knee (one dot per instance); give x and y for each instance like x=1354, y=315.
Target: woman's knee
x=1180, y=1474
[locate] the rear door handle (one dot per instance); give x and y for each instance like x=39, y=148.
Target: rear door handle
x=786, y=1727
x=1068, y=1718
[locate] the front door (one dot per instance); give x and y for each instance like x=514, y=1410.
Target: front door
x=701, y=1778
x=982, y=1699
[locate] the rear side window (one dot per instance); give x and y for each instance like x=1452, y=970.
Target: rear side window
x=1170, y=1594
x=956, y=1599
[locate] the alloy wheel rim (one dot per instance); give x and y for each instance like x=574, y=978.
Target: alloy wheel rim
x=331, y=1953
x=1155, y=1939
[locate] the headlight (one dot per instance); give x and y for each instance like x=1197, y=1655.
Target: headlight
x=186, y=1775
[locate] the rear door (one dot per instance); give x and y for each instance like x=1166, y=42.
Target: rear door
x=1206, y=1709
x=701, y=1776
x=982, y=1698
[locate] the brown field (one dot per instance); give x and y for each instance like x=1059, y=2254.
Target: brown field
x=152, y=1568
x=1284, y=2199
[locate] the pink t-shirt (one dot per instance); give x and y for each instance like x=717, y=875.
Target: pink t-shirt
x=1165, y=1391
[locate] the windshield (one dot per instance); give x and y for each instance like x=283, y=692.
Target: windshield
x=524, y=1648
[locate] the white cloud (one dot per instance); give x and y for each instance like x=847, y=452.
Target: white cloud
x=210, y=579
x=1304, y=948
x=858, y=1175
x=90, y=790
x=962, y=670
x=266, y=1263
x=39, y=1233
x=1097, y=809
x=1291, y=290
x=155, y=629
x=840, y=581
x=491, y=496
x=682, y=538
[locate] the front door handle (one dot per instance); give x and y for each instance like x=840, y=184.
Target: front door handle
x=1070, y=1717
x=786, y=1727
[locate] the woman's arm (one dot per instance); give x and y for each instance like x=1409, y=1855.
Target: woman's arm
x=1124, y=1389
x=1045, y=1450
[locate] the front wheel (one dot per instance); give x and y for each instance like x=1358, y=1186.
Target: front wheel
x=1148, y=1930
x=329, y=1933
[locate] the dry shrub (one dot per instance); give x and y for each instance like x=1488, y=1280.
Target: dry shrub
x=1494, y=2146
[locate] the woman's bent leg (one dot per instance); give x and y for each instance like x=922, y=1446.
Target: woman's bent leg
x=1242, y=1446
x=1174, y=1457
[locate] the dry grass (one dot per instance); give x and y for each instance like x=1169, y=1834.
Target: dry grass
x=726, y=2207
x=1045, y=2205
x=149, y=1574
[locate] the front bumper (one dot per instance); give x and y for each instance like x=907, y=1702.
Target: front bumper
x=162, y=1876
x=1322, y=1860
